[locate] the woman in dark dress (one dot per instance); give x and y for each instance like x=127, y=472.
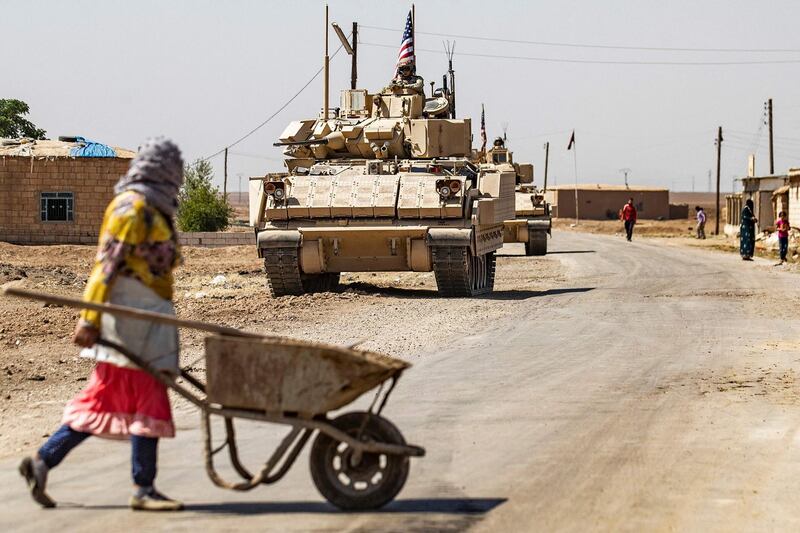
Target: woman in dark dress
x=747, y=232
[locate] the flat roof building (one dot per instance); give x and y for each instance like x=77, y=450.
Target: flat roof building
x=603, y=202
x=54, y=192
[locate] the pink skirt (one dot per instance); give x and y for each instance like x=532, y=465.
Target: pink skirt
x=119, y=402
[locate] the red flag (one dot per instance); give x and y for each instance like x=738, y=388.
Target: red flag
x=571, y=141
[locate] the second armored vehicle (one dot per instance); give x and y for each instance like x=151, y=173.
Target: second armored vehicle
x=532, y=222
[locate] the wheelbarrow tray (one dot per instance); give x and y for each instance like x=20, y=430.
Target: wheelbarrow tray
x=279, y=375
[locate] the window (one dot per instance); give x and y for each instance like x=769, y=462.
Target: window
x=499, y=158
x=57, y=206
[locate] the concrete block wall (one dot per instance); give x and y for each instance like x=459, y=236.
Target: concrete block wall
x=217, y=239
x=794, y=201
x=22, y=179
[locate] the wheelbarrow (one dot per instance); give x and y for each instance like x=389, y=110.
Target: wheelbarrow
x=358, y=460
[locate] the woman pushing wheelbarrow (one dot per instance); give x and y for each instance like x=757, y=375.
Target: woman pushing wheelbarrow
x=358, y=460
x=136, y=254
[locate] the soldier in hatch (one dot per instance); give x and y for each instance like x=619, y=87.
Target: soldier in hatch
x=407, y=78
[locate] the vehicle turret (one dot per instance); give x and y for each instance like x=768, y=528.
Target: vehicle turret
x=397, y=123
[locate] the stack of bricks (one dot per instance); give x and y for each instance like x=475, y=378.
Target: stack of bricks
x=91, y=180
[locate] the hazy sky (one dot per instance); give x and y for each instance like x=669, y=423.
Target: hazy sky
x=205, y=73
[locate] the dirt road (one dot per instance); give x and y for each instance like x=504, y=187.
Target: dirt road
x=653, y=389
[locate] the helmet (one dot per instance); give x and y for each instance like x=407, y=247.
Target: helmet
x=406, y=64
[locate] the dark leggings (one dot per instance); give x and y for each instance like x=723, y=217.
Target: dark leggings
x=629, y=229
x=143, y=453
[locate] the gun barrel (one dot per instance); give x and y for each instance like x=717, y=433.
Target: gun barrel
x=301, y=143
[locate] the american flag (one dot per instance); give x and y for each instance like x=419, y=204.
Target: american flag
x=407, y=45
x=483, y=129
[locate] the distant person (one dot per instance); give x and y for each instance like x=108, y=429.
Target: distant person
x=783, y=227
x=628, y=216
x=136, y=254
x=701, y=222
x=747, y=232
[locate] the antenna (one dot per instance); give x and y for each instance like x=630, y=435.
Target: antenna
x=450, y=50
x=625, y=172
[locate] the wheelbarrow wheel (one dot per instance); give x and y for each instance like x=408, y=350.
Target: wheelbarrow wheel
x=369, y=484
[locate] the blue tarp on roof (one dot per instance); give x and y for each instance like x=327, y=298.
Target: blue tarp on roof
x=92, y=149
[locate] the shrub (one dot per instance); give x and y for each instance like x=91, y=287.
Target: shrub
x=201, y=207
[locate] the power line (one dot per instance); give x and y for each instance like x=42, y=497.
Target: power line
x=284, y=106
x=605, y=62
x=600, y=46
x=255, y=156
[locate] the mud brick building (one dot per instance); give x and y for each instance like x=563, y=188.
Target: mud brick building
x=55, y=192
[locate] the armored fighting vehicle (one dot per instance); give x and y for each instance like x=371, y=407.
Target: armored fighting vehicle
x=385, y=182
x=532, y=222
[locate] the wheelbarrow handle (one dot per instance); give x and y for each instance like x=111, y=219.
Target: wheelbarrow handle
x=132, y=312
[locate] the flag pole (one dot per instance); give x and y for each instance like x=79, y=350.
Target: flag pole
x=414, y=29
x=575, y=164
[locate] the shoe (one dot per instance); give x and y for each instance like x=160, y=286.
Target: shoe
x=152, y=500
x=36, y=483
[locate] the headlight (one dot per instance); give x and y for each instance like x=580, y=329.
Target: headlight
x=276, y=189
x=448, y=188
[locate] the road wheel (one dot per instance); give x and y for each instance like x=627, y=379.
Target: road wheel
x=369, y=484
x=537, y=243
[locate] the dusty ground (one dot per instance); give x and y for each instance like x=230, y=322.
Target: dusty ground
x=682, y=232
x=653, y=389
x=40, y=369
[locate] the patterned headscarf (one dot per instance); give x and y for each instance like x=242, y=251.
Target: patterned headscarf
x=157, y=173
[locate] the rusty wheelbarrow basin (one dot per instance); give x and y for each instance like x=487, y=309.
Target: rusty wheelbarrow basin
x=278, y=375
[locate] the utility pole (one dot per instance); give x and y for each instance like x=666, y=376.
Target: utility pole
x=225, y=179
x=352, y=51
x=771, y=152
x=354, y=65
x=239, y=175
x=546, y=160
x=692, y=183
x=719, y=159
x=625, y=172
x=325, y=63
